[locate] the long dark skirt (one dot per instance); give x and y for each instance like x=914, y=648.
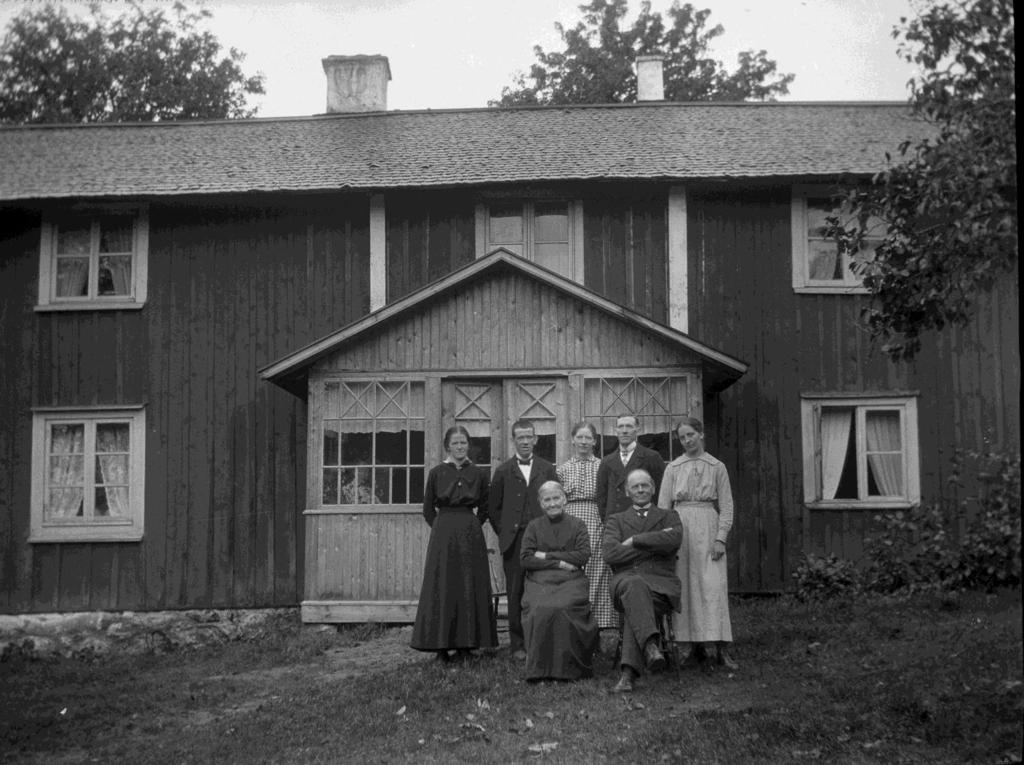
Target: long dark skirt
x=560, y=631
x=455, y=600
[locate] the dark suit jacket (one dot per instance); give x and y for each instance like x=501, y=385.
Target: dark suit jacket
x=611, y=494
x=656, y=541
x=512, y=504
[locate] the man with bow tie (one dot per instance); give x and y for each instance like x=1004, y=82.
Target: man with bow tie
x=611, y=496
x=512, y=504
x=640, y=545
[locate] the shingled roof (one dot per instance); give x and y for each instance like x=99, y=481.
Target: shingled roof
x=448, y=148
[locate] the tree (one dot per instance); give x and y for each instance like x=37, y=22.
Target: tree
x=597, y=63
x=948, y=206
x=140, y=66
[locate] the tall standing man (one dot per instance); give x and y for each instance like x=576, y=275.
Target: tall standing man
x=611, y=493
x=513, y=504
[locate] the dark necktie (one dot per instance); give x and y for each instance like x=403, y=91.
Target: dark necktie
x=526, y=462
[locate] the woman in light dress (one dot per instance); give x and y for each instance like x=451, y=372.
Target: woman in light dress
x=578, y=476
x=696, y=485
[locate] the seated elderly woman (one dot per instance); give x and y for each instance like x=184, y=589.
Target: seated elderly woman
x=560, y=633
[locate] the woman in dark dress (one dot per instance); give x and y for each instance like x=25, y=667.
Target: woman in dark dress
x=455, y=601
x=561, y=634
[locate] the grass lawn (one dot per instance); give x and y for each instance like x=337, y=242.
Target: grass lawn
x=921, y=680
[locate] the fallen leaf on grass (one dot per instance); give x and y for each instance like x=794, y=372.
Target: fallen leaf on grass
x=811, y=754
x=483, y=704
x=400, y=712
x=543, y=748
x=526, y=725
x=550, y=715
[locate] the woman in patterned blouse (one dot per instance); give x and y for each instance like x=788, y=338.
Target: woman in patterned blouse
x=578, y=476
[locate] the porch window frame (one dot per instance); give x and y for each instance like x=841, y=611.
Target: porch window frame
x=48, y=300
x=127, y=528
x=317, y=429
x=810, y=411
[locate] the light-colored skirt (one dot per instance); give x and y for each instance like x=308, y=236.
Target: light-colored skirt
x=704, y=615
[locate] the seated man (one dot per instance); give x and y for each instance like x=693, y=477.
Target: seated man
x=640, y=546
x=560, y=632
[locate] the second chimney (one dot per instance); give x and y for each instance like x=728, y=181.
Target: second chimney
x=357, y=83
x=650, y=78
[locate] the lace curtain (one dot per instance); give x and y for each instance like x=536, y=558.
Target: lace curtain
x=835, y=440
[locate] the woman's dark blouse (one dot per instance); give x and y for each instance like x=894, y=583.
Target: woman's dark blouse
x=451, y=486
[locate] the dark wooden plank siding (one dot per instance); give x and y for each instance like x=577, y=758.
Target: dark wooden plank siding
x=741, y=301
x=482, y=328
x=231, y=288
x=625, y=253
x=428, y=236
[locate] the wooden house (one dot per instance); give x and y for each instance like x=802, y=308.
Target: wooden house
x=230, y=349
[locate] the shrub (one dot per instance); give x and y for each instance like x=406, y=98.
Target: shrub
x=918, y=549
x=825, y=576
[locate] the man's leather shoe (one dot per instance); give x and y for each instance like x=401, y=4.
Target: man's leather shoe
x=653, y=656
x=625, y=684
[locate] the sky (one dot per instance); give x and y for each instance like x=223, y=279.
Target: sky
x=447, y=54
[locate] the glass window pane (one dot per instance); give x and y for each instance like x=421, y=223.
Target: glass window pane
x=356, y=448
x=417, y=454
x=115, y=275
x=64, y=503
x=506, y=224
x=67, y=471
x=330, y=490
x=112, y=437
x=112, y=470
x=817, y=211
x=391, y=448
x=332, y=443
x=356, y=486
x=399, y=491
x=555, y=257
x=480, y=450
x=416, y=485
x=382, y=485
x=551, y=222
x=116, y=233
x=100, y=507
x=823, y=261
x=72, y=277
x=74, y=237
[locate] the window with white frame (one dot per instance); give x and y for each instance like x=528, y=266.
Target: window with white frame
x=818, y=264
x=94, y=258
x=88, y=474
x=548, y=232
x=860, y=452
x=373, y=449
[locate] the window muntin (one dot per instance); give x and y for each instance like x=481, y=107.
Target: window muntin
x=658, y=401
x=88, y=475
x=373, y=450
x=94, y=259
x=818, y=265
x=860, y=453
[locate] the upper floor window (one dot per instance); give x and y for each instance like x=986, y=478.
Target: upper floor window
x=94, y=258
x=818, y=265
x=860, y=452
x=88, y=475
x=548, y=232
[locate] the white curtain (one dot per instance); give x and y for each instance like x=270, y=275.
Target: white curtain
x=72, y=274
x=835, y=440
x=883, y=435
x=114, y=466
x=67, y=470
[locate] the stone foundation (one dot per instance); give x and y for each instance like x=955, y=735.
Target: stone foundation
x=97, y=633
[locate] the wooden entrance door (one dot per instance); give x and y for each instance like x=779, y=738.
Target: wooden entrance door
x=487, y=409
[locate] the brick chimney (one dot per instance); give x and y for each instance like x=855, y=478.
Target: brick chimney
x=650, y=78
x=357, y=83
